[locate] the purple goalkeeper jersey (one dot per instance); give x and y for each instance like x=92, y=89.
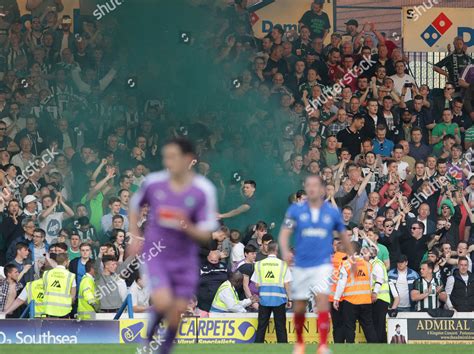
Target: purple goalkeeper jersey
x=197, y=202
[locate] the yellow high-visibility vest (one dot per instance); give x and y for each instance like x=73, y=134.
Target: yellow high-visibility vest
x=217, y=304
x=271, y=273
x=86, y=299
x=384, y=291
x=58, y=283
x=35, y=292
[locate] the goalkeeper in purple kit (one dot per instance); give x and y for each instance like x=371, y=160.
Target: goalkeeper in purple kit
x=182, y=214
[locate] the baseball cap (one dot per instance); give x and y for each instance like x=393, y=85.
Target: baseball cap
x=29, y=199
x=402, y=258
x=352, y=22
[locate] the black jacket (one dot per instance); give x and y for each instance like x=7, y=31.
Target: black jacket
x=368, y=131
x=211, y=277
x=11, y=252
x=462, y=296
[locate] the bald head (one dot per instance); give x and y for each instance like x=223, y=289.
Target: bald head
x=213, y=257
x=272, y=247
x=236, y=279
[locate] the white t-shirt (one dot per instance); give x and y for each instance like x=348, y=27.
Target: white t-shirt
x=402, y=287
x=51, y=225
x=237, y=253
x=140, y=297
x=402, y=169
x=399, y=82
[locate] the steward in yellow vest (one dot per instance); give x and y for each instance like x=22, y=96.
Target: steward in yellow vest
x=227, y=299
x=88, y=303
x=380, y=294
x=59, y=289
x=272, y=277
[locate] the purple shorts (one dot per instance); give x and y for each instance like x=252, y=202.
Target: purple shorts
x=178, y=275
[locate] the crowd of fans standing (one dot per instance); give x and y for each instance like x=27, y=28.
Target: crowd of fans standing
x=75, y=144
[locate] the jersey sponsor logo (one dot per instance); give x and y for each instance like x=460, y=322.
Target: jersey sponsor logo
x=269, y=275
x=315, y=232
x=56, y=284
x=189, y=201
x=326, y=219
x=160, y=195
x=304, y=217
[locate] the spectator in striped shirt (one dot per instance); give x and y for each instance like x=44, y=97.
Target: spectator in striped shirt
x=427, y=291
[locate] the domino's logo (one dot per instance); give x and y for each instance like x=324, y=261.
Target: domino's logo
x=438, y=27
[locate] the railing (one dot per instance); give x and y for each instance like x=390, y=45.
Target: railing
x=421, y=68
x=30, y=309
x=128, y=304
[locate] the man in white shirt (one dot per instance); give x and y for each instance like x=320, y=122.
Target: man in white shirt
x=401, y=281
x=50, y=220
x=25, y=157
x=401, y=79
x=403, y=168
x=140, y=295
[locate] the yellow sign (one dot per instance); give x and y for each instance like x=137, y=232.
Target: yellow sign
x=225, y=330
x=431, y=29
x=286, y=13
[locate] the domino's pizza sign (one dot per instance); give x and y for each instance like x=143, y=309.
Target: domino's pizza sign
x=434, y=29
x=438, y=27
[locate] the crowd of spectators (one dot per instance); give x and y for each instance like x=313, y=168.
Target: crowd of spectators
x=75, y=145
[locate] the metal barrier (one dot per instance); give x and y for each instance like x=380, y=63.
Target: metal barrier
x=421, y=68
x=29, y=309
x=128, y=304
